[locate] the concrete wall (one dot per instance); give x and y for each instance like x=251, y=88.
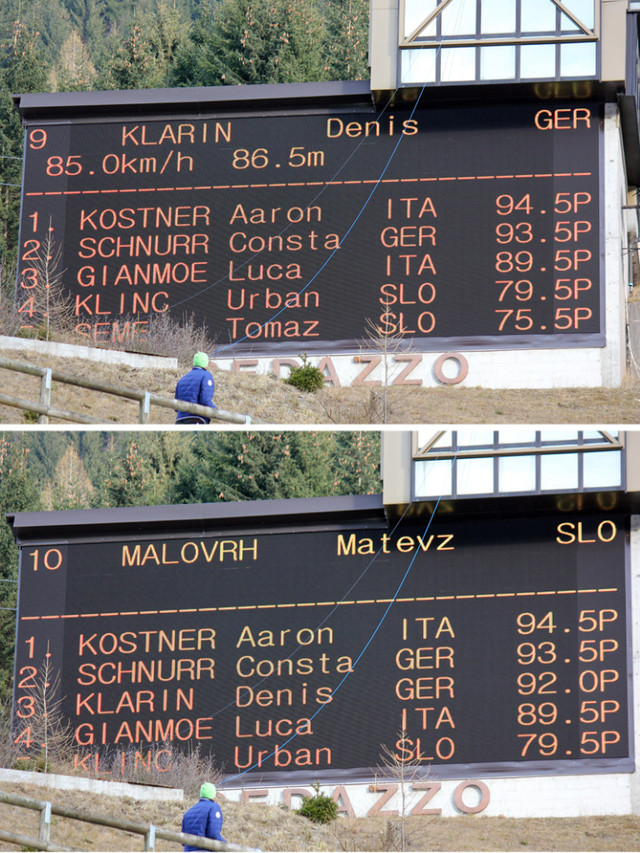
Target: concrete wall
x=383, y=43
x=617, y=266
x=106, y=356
x=533, y=796
x=613, y=27
x=545, y=368
x=99, y=787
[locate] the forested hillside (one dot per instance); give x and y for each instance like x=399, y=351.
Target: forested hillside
x=78, y=470
x=68, y=45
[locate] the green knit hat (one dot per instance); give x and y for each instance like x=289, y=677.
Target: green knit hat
x=200, y=359
x=208, y=791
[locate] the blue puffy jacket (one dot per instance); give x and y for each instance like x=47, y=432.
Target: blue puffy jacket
x=196, y=386
x=203, y=819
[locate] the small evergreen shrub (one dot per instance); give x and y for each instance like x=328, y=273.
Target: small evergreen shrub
x=319, y=808
x=26, y=332
x=37, y=763
x=306, y=377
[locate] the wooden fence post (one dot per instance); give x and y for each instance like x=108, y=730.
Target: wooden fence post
x=145, y=406
x=44, y=834
x=45, y=394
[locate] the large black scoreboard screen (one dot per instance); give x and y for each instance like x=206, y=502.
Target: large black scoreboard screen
x=477, y=226
x=499, y=645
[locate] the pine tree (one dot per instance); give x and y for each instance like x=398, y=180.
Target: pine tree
x=73, y=70
x=93, y=21
x=11, y=135
x=162, y=452
x=70, y=487
x=273, y=465
x=256, y=41
x=51, y=21
x=146, y=58
x=142, y=469
x=26, y=69
x=348, y=27
x=129, y=480
x=357, y=463
x=98, y=453
x=167, y=29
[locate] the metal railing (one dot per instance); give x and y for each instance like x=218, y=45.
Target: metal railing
x=149, y=831
x=145, y=399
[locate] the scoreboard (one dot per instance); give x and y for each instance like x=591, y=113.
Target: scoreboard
x=299, y=230
x=305, y=646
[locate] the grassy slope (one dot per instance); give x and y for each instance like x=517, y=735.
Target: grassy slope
x=275, y=402
x=276, y=828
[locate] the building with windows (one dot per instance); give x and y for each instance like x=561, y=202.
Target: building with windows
x=446, y=42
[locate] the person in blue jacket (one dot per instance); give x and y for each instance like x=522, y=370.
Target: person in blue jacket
x=205, y=817
x=196, y=386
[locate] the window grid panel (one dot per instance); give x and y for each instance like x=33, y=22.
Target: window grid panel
x=514, y=437
x=517, y=475
x=528, y=19
x=602, y=469
x=497, y=63
x=415, y=13
x=474, y=441
x=536, y=18
x=578, y=470
x=541, y=62
x=477, y=476
x=478, y=438
x=459, y=19
x=532, y=61
x=559, y=472
x=496, y=13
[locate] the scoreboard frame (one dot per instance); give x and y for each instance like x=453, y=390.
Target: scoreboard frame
x=511, y=607
x=523, y=270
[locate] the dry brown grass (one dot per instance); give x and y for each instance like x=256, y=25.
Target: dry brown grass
x=275, y=828
x=273, y=401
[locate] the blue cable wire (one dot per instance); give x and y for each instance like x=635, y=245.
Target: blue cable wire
x=364, y=648
x=330, y=257
x=330, y=613
x=215, y=352
x=286, y=228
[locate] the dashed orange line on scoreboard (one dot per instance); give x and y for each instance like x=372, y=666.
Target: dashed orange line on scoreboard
x=279, y=185
x=238, y=607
